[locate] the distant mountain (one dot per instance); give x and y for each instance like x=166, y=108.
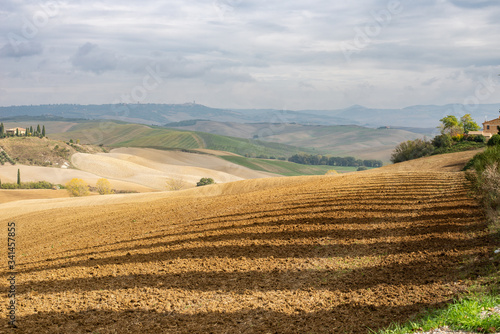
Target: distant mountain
x=424, y=116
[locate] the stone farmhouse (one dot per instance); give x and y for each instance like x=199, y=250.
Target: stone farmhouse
x=12, y=132
x=489, y=128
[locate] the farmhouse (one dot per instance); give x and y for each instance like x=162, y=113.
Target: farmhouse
x=489, y=128
x=12, y=132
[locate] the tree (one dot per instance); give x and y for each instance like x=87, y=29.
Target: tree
x=205, y=181
x=43, y=131
x=104, y=187
x=77, y=187
x=468, y=123
x=2, y=130
x=18, y=177
x=38, y=130
x=411, y=149
x=450, y=125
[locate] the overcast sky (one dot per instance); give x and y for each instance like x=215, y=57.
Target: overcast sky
x=315, y=54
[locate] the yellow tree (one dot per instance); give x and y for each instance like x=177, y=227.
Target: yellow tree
x=104, y=187
x=77, y=187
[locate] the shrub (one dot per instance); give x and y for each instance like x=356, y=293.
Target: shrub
x=174, y=184
x=483, y=175
x=494, y=140
x=205, y=181
x=411, y=149
x=332, y=172
x=442, y=141
x=103, y=187
x=475, y=138
x=362, y=168
x=77, y=187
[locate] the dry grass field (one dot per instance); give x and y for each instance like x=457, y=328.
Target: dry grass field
x=320, y=254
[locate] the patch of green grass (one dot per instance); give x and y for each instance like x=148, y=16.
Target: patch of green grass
x=464, y=314
x=459, y=147
x=284, y=167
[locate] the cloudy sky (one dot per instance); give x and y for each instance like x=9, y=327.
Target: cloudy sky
x=316, y=54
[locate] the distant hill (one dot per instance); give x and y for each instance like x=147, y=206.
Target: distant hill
x=116, y=134
x=424, y=116
x=368, y=143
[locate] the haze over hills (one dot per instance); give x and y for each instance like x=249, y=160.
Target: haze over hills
x=421, y=116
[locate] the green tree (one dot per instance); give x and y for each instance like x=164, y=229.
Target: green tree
x=31, y=130
x=38, y=131
x=412, y=149
x=2, y=130
x=205, y=181
x=43, y=131
x=18, y=177
x=17, y=132
x=450, y=125
x=468, y=123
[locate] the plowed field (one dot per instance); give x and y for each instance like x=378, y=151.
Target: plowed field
x=327, y=255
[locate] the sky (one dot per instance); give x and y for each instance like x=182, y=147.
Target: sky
x=315, y=54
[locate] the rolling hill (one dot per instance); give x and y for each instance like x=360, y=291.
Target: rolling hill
x=320, y=254
x=117, y=134
x=339, y=140
x=421, y=116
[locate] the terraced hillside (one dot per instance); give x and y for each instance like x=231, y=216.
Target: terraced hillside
x=320, y=254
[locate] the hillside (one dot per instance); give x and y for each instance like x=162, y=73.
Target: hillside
x=34, y=151
x=134, y=135
x=362, y=142
x=284, y=167
x=302, y=254
x=420, y=116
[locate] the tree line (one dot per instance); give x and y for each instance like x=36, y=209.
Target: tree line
x=29, y=132
x=311, y=159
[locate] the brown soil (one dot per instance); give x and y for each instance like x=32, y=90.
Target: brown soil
x=7, y=195
x=336, y=254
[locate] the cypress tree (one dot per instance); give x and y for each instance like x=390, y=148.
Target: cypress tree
x=38, y=129
x=2, y=130
x=31, y=131
x=19, y=177
x=43, y=131
x=26, y=133
x=17, y=132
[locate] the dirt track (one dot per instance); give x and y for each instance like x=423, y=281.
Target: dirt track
x=327, y=255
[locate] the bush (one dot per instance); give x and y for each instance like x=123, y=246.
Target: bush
x=332, y=172
x=174, y=184
x=103, y=187
x=475, y=138
x=442, y=141
x=412, y=149
x=483, y=175
x=361, y=168
x=77, y=187
x=494, y=140
x=205, y=181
